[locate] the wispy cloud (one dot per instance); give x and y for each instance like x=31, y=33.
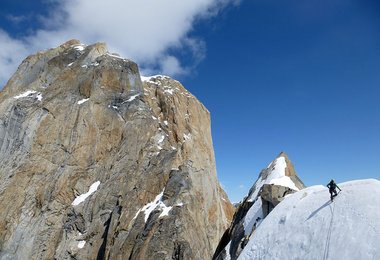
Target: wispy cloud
x=16, y=19
x=12, y=51
x=144, y=31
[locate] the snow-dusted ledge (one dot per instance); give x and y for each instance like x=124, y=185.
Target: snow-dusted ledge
x=84, y=196
x=30, y=93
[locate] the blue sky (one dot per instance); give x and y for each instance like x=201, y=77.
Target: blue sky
x=296, y=76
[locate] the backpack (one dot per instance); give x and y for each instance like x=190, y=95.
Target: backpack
x=332, y=185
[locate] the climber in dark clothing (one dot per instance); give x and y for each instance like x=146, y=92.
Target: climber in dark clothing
x=332, y=189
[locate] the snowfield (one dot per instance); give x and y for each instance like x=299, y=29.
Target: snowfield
x=306, y=225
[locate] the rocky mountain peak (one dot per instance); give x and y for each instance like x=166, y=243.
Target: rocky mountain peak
x=97, y=162
x=75, y=60
x=280, y=172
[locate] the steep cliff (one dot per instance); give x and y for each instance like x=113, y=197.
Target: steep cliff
x=273, y=184
x=96, y=163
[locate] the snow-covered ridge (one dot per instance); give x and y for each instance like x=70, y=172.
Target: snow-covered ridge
x=276, y=176
x=306, y=225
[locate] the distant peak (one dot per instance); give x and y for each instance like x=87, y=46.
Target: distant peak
x=283, y=154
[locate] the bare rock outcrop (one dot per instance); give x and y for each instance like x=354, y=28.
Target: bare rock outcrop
x=273, y=184
x=96, y=163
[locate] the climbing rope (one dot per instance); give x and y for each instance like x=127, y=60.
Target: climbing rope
x=327, y=245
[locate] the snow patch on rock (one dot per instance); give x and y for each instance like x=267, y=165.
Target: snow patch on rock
x=82, y=101
x=39, y=97
x=132, y=98
x=84, y=196
x=156, y=203
x=186, y=137
x=79, y=47
x=30, y=93
x=81, y=244
x=152, y=79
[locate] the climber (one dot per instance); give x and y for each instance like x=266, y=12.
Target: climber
x=332, y=188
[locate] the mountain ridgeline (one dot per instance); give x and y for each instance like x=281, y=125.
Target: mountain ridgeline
x=97, y=163
x=282, y=219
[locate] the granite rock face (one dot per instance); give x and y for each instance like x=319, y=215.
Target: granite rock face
x=97, y=163
x=271, y=195
x=273, y=184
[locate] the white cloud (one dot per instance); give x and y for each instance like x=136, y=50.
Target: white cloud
x=11, y=53
x=144, y=31
x=171, y=66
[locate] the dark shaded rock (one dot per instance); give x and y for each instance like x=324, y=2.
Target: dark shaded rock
x=271, y=195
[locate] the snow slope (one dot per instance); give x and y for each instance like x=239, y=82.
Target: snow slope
x=306, y=225
x=275, y=175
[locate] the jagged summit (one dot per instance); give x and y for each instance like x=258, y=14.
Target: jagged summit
x=75, y=60
x=273, y=184
x=279, y=172
x=96, y=163
x=307, y=225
